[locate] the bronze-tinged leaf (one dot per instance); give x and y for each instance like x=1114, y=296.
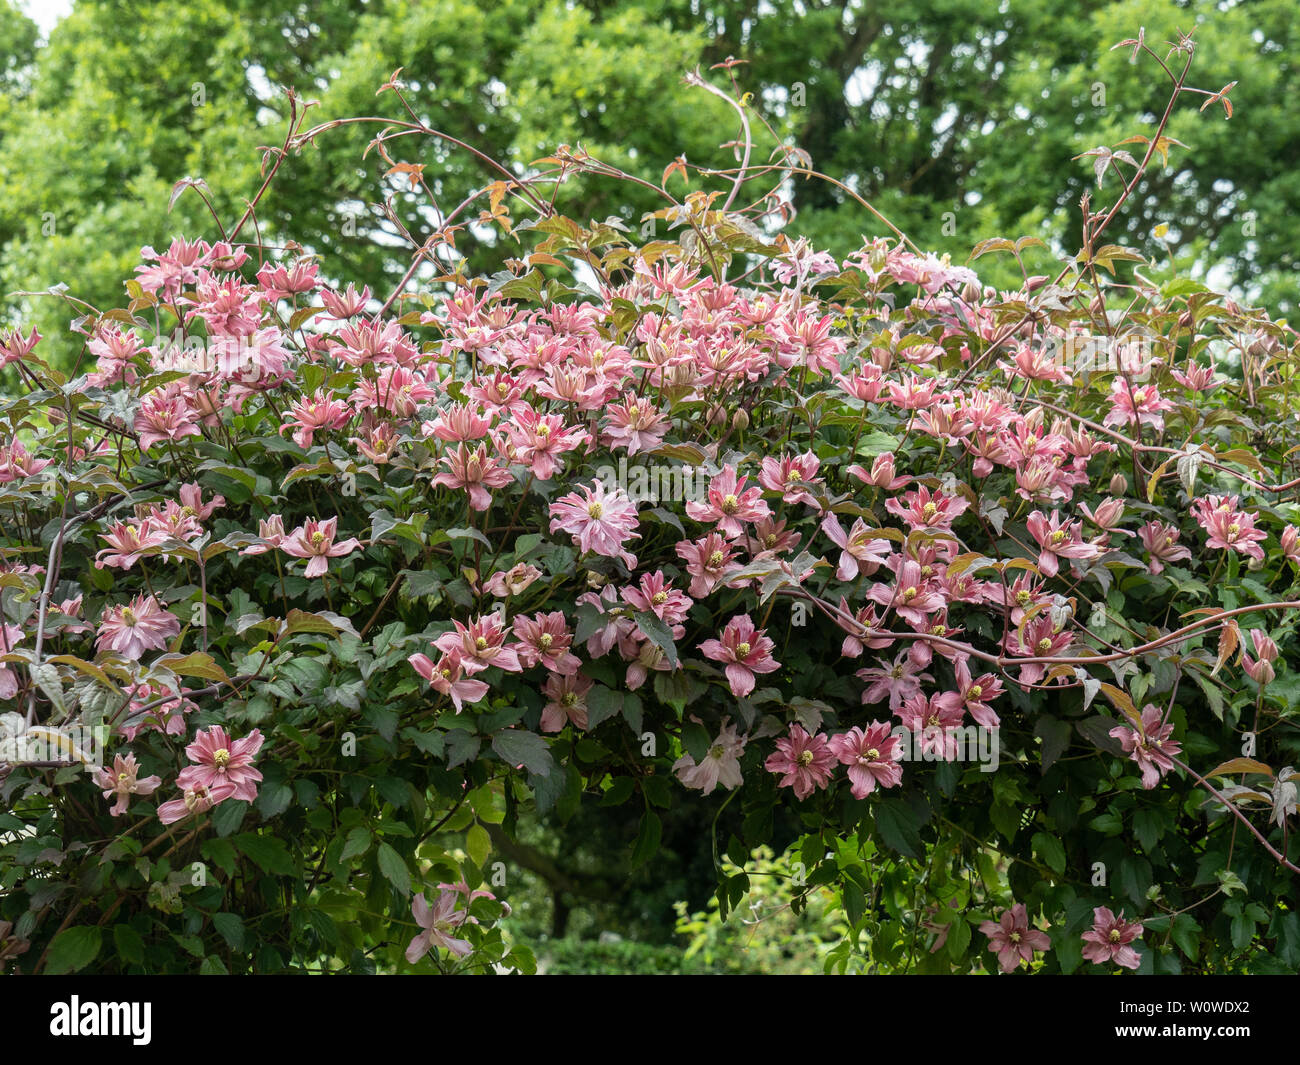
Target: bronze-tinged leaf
x=1239, y=765
x=1229, y=638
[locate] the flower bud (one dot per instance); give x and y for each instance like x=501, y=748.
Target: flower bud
x=1119, y=485
x=740, y=420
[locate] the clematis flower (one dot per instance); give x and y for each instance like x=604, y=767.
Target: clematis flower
x=127, y=543
x=803, y=762
x=566, y=702
x=935, y=720
x=1136, y=406
x=505, y=583
x=709, y=561
x=1109, y=938
x=786, y=474
x=1227, y=527
x=449, y=677
x=475, y=471
x=1013, y=940
x=481, y=644
x=860, y=553
x=142, y=625
x=745, y=650
x=219, y=760
x=123, y=781
x=1150, y=746
x=729, y=503
x=900, y=681
x=197, y=800
x=976, y=694
x=598, y=520
x=315, y=540
x=270, y=531
x=1260, y=668
x=1161, y=543
x=544, y=639
x=923, y=510
x=721, y=765
x=437, y=923
x=1058, y=540
x=872, y=757
x=656, y=595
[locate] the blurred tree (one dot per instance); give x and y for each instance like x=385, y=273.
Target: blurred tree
x=960, y=120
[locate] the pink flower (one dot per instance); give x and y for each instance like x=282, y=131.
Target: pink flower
x=1129, y=406
x=900, y=681
x=481, y=644
x=634, y=424
x=270, y=531
x=545, y=639
x=598, y=520
x=566, y=702
x=872, y=757
x=785, y=475
x=976, y=694
x=315, y=540
x=127, y=543
x=141, y=626
x=804, y=762
x=195, y=801
x=123, y=781
x=475, y=471
x=1290, y=542
x=708, y=561
x=218, y=760
x=1260, y=668
x=1058, y=540
x=165, y=415
x=310, y=416
x=935, y=720
x=1227, y=527
x=921, y=510
x=1013, y=940
x=745, y=650
x=1161, y=542
x=729, y=503
x=505, y=583
x=860, y=552
x=437, y=923
x=449, y=677
x=656, y=595
x=721, y=764
x=1150, y=747
x=1109, y=939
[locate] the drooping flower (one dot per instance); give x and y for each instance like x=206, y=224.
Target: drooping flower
x=1013, y=940
x=1161, y=543
x=803, y=762
x=437, y=923
x=220, y=760
x=475, y=471
x=860, y=552
x=871, y=755
x=449, y=677
x=142, y=625
x=1109, y=938
x=1150, y=746
x=721, y=764
x=123, y=781
x=745, y=650
x=977, y=693
x=1260, y=668
x=315, y=540
x=196, y=800
x=1057, y=540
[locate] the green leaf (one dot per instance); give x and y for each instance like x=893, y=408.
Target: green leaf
x=393, y=866
x=659, y=633
x=221, y=853
x=73, y=949
x=267, y=852
x=356, y=844
x=128, y=944
x=1049, y=849
x=647, y=840
x=528, y=749
x=478, y=845
x=898, y=826
x=231, y=927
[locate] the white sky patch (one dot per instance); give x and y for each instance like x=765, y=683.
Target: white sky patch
x=46, y=13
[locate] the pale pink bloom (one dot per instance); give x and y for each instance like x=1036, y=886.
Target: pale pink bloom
x=448, y=677
x=1227, y=527
x=772, y=538
x=1058, y=540
x=458, y=423
x=1196, y=377
x=923, y=510
x=281, y=282
x=1130, y=406
x=709, y=561
x=475, y=471
x=1290, y=541
x=194, y=801
x=634, y=424
x=913, y=596
x=1039, y=639
x=1260, y=668
x=505, y=583
x=539, y=440
x=127, y=543
x=219, y=760
x=1109, y=938
x=14, y=347
x=1161, y=542
x=1150, y=746
x=16, y=462
x=481, y=644
x=566, y=702
x=142, y=625
x=438, y=922
x=315, y=540
x=745, y=650
x=165, y=415
x=729, y=503
x=192, y=502
x=545, y=639
x=882, y=473
x=1013, y=940
x=123, y=781
x=872, y=757
x=649, y=656
x=598, y=520
x=803, y=762
x=788, y=473
x=899, y=682
x=656, y=595
x=344, y=305
x=309, y=416
x=721, y=764
x=379, y=443
x=396, y=389
x=270, y=531
x=860, y=553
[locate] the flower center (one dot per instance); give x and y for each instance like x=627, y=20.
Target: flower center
x=929, y=511
x=742, y=650
x=221, y=758
x=1023, y=598
x=717, y=751
x=1044, y=645
x=317, y=538
x=805, y=758
x=595, y=510
x=659, y=598
x=909, y=594
x=1114, y=935
x=715, y=560
x=873, y=753
x=481, y=642
x=1058, y=536
x=545, y=640
x=128, y=615
x=569, y=699
x=974, y=693
x=1014, y=937
x=729, y=504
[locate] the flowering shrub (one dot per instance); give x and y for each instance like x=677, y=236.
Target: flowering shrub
x=320, y=587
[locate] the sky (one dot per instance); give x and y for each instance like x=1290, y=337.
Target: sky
x=45, y=13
